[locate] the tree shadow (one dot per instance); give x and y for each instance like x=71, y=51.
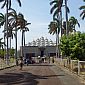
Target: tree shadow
x=22, y=78
x=40, y=65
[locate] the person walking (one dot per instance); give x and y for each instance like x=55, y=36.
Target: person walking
x=52, y=59
x=21, y=63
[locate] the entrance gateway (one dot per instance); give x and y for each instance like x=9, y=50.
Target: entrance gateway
x=42, y=51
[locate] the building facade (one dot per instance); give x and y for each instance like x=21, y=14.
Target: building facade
x=40, y=47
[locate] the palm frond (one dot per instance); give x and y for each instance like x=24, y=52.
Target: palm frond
x=1, y=39
x=19, y=2
x=56, y=13
x=1, y=23
x=1, y=0
x=82, y=7
x=52, y=2
x=53, y=8
x=12, y=10
x=3, y=4
x=78, y=25
x=20, y=15
x=1, y=15
x=82, y=14
x=68, y=10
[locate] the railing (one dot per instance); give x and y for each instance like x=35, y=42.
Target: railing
x=75, y=66
x=81, y=67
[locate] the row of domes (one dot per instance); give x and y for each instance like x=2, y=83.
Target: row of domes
x=41, y=42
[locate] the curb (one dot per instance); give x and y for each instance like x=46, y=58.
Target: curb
x=7, y=67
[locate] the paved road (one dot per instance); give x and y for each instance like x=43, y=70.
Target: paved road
x=37, y=74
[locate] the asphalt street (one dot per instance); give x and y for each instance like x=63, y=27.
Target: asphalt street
x=37, y=74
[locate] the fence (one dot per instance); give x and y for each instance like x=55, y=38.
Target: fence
x=4, y=65
x=75, y=66
x=81, y=67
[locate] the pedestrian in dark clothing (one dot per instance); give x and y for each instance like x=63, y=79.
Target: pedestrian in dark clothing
x=21, y=63
x=27, y=61
x=52, y=59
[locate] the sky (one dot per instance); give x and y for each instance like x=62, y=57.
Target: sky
x=37, y=12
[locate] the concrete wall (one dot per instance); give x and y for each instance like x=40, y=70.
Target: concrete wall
x=36, y=50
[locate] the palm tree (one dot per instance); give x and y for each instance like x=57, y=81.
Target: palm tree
x=9, y=3
x=8, y=6
x=17, y=22
x=83, y=11
x=57, y=16
x=25, y=30
x=57, y=4
x=72, y=22
x=10, y=27
x=22, y=26
x=55, y=29
x=57, y=10
x=2, y=23
x=66, y=17
x=13, y=22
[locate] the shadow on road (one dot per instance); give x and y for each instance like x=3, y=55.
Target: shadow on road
x=40, y=65
x=22, y=78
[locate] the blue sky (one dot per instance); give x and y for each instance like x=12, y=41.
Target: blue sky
x=37, y=12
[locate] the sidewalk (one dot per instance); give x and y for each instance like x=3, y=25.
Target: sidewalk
x=68, y=78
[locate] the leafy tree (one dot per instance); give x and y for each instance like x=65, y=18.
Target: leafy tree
x=73, y=46
x=64, y=46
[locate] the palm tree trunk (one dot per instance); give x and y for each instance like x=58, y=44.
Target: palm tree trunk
x=61, y=30
x=22, y=44
x=57, y=54
x=10, y=47
x=10, y=43
x=24, y=37
x=7, y=56
x=56, y=45
x=16, y=47
x=4, y=46
x=61, y=22
x=66, y=17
